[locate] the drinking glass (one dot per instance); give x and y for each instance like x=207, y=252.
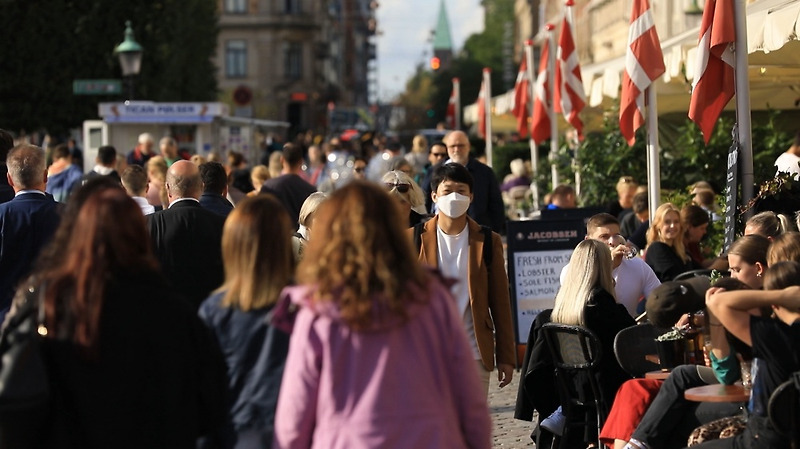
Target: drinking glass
x=617, y=240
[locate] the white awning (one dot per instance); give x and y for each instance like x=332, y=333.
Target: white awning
x=773, y=27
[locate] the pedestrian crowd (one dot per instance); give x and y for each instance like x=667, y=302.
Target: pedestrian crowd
x=332, y=300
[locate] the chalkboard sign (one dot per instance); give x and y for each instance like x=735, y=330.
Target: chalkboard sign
x=537, y=251
x=731, y=190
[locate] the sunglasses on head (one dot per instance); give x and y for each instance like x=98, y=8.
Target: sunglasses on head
x=401, y=187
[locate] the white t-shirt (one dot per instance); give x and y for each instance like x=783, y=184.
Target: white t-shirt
x=634, y=279
x=454, y=263
x=788, y=162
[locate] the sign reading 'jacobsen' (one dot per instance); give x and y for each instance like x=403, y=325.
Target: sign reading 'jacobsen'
x=537, y=251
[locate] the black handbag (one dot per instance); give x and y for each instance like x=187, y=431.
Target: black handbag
x=23, y=375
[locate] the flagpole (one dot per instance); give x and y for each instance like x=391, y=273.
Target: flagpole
x=487, y=98
x=534, y=152
x=551, y=64
x=653, y=164
x=743, y=103
x=457, y=91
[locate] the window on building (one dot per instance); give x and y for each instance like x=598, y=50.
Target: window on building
x=236, y=6
x=293, y=61
x=236, y=59
x=293, y=6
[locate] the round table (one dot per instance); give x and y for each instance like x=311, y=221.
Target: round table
x=658, y=375
x=718, y=393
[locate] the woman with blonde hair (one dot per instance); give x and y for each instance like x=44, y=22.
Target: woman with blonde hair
x=378, y=356
x=157, y=182
x=666, y=253
x=586, y=298
x=257, y=255
x=305, y=223
x=408, y=193
x=418, y=156
x=258, y=176
x=767, y=223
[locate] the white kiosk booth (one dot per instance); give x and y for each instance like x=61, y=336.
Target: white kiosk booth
x=199, y=128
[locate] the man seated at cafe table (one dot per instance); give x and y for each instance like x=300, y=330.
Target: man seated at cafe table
x=633, y=277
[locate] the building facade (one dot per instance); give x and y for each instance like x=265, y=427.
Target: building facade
x=293, y=60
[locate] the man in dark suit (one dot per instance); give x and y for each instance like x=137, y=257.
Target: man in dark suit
x=27, y=222
x=290, y=188
x=215, y=189
x=187, y=238
x=6, y=143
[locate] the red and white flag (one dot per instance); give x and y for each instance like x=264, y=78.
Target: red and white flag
x=714, y=84
x=570, y=97
x=540, y=124
x=482, y=107
x=644, y=63
x=522, y=96
x=453, y=116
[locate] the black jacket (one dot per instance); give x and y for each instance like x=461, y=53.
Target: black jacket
x=187, y=241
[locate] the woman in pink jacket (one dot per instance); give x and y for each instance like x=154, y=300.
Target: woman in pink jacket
x=378, y=355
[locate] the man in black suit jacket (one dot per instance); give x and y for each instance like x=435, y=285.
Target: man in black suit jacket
x=6, y=143
x=187, y=238
x=290, y=188
x=27, y=222
x=215, y=189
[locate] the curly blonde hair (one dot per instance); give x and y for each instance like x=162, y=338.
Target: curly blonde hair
x=360, y=258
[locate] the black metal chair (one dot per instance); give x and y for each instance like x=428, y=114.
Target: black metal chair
x=784, y=409
x=692, y=273
x=576, y=353
x=632, y=344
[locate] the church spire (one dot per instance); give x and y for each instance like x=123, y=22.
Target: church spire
x=441, y=38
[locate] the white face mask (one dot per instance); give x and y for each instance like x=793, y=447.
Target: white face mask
x=453, y=204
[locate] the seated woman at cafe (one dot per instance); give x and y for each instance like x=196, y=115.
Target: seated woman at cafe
x=768, y=224
x=666, y=253
x=586, y=299
x=775, y=343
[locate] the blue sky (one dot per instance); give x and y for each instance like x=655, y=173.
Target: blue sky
x=404, y=42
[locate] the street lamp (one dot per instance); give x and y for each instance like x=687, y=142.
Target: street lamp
x=130, y=57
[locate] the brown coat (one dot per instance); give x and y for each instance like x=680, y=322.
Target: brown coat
x=488, y=292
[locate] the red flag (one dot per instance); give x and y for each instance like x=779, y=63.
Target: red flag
x=482, y=110
x=644, y=63
x=540, y=125
x=521, y=97
x=570, y=97
x=453, y=108
x=714, y=84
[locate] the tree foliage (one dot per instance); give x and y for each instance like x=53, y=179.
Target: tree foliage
x=46, y=45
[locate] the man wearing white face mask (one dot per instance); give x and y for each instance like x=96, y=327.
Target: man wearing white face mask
x=472, y=255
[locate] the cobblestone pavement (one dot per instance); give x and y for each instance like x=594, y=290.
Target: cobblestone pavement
x=507, y=432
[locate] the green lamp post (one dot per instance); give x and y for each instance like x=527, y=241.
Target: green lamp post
x=130, y=58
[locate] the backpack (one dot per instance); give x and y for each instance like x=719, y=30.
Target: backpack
x=419, y=228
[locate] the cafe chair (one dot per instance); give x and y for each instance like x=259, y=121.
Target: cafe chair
x=784, y=409
x=692, y=273
x=576, y=354
x=631, y=347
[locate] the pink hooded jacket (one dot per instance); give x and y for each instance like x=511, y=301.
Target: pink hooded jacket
x=397, y=385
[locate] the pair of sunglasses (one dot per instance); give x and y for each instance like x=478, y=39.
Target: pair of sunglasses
x=401, y=187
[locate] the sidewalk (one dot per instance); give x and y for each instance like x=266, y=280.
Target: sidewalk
x=507, y=431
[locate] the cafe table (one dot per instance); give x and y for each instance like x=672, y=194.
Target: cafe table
x=658, y=374
x=718, y=393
